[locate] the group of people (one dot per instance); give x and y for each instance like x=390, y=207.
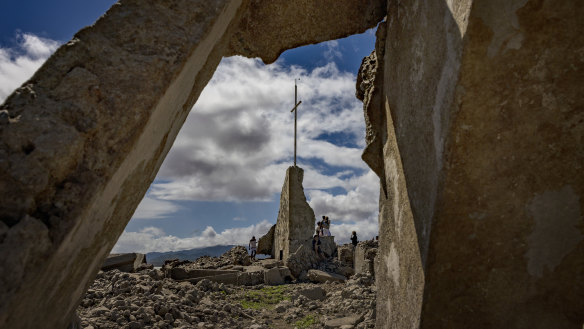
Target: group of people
x=323, y=227
x=316, y=242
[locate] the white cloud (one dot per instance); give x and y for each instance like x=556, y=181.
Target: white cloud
x=359, y=204
x=151, y=208
x=154, y=239
x=238, y=141
x=332, y=50
x=18, y=64
x=366, y=230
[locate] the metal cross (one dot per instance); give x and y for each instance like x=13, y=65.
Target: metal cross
x=295, y=110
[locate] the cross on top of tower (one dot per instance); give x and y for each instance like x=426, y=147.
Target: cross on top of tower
x=295, y=110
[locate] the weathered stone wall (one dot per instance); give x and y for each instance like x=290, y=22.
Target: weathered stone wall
x=270, y=27
x=87, y=134
x=266, y=242
x=509, y=223
x=482, y=165
x=345, y=254
x=296, y=219
x=364, y=257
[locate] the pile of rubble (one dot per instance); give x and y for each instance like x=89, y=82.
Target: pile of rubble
x=147, y=300
x=223, y=292
x=235, y=256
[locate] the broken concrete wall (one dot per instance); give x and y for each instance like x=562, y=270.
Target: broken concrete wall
x=124, y=262
x=482, y=165
x=295, y=223
x=266, y=242
x=302, y=259
x=364, y=257
x=513, y=187
x=270, y=27
x=87, y=134
x=345, y=254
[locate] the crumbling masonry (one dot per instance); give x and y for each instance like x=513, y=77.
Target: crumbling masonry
x=475, y=128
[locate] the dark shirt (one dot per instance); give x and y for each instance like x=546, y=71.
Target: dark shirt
x=354, y=240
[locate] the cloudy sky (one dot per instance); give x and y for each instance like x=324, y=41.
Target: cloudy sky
x=221, y=181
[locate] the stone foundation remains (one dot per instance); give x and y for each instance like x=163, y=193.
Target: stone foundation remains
x=365, y=255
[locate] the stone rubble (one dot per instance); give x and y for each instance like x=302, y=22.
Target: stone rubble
x=148, y=299
x=144, y=300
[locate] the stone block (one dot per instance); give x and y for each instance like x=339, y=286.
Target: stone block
x=328, y=245
x=256, y=277
x=302, y=260
x=345, y=254
x=322, y=277
x=272, y=277
x=345, y=321
x=266, y=242
x=270, y=263
x=285, y=273
x=364, y=256
x=129, y=262
x=313, y=293
x=481, y=222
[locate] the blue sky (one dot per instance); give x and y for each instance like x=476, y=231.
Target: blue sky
x=221, y=180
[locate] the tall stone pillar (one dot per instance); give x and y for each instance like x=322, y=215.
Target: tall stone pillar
x=295, y=224
x=483, y=165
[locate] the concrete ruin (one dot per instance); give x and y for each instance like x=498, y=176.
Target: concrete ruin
x=365, y=257
x=295, y=223
x=474, y=125
x=290, y=239
x=130, y=262
x=361, y=258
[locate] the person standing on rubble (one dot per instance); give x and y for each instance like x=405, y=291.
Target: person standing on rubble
x=253, y=246
x=354, y=239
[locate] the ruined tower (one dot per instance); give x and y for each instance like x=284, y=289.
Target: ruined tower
x=295, y=223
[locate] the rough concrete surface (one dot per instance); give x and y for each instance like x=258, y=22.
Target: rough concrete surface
x=364, y=257
x=266, y=242
x=483, y=165
x=323, y=277
x=508, y=232
x=295, y=223
x=270, y=27
x=129, y=262
x=89, y=131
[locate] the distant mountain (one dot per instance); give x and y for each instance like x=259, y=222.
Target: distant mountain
x=158, y=258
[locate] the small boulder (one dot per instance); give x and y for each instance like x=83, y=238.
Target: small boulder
x=273, y=277
x=315, y=293
x=322, y=277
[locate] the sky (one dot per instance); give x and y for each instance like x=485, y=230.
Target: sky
x=221, y=181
